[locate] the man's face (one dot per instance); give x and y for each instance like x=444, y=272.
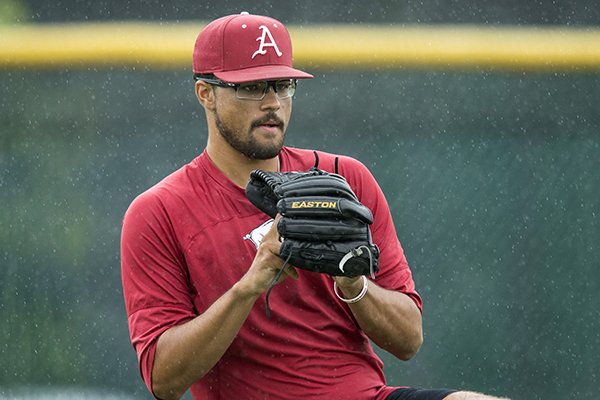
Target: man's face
x=255, y=128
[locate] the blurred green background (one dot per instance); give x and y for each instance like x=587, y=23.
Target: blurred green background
x=492, y=177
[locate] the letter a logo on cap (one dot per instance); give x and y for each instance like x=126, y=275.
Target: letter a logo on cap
x=263, y=44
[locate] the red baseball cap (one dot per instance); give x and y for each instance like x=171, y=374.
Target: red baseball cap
x=243, y=48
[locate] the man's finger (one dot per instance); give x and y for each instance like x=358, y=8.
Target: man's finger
x=273, y=232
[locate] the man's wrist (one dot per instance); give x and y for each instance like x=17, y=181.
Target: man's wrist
x=349, y=285
x=243, y=290
x=354, y=291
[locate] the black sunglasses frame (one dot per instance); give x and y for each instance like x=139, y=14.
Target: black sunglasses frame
x=270, y=83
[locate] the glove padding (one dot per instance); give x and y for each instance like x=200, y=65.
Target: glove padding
x=324, y=226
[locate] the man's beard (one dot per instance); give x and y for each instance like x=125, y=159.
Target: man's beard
x=251, y=148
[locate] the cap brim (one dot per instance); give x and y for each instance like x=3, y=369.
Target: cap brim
x=262, y=73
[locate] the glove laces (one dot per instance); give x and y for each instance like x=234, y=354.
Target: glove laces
x=273, y=283
x=357, y=252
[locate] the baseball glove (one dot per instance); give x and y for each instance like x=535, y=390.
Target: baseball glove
x=324, y=227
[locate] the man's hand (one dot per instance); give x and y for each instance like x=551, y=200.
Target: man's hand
x=267, y=264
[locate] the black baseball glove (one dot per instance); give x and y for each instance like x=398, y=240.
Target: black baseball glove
x=324, y=227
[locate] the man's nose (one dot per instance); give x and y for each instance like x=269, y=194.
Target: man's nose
x=271, y=99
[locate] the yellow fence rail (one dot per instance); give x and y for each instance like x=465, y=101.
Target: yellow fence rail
x=169, y=46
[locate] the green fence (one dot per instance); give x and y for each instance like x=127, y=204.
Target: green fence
x=492, y=178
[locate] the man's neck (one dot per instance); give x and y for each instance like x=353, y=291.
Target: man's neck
x=236, y=166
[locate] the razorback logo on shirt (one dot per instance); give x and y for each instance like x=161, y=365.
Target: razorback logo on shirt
x=257, y=234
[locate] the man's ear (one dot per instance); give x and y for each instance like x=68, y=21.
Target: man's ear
x=206, y=95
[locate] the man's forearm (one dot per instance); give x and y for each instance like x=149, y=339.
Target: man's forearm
x=185, y=353
x=391, y=319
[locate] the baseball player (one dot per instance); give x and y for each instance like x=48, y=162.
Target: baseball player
x=201, y=248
